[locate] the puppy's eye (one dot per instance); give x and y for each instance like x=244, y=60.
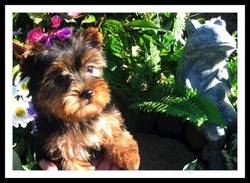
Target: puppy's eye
x=90, y=69
x=61, y=80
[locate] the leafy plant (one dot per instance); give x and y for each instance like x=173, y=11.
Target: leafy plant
x=183, y=102
x=142, y=52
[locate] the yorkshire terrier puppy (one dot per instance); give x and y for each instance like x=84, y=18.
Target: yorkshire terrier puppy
x=75, y=117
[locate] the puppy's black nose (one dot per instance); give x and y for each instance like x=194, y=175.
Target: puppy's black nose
x=88, y=93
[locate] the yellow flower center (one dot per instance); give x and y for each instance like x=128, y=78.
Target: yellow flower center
x=20, y=111
x=24, y=86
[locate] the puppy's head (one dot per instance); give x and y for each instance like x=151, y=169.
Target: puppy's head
x=66, y=78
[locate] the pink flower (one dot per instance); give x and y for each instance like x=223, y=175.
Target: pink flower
x=73, y=14
x=35, y=35
x=56, y=20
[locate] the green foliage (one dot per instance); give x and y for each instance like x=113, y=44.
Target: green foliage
x=233, y=67
x=195, y=165
x=181, y=102
x=142, y=52
x=137, y=56
x=17, y=165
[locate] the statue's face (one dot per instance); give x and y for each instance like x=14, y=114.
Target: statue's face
x=210, y=36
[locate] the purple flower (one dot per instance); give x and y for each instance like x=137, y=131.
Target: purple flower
x=47, y=41
x=60, y=34
x=34, y=125
x=63, y=33
x=32, y=111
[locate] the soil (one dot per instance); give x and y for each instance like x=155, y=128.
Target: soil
x=159, y=153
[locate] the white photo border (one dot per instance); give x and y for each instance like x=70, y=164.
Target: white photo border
x=239, y=9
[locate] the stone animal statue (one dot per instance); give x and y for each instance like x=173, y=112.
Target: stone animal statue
x=203, y=66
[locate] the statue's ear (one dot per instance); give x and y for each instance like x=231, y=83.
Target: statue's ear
x=25, y=55
x=221, y=23
x=191, y=26
x=93, y=35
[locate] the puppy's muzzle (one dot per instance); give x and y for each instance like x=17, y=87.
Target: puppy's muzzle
x=87, y=93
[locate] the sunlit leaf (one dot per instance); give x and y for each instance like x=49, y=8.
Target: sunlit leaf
x=88, y=19
x=37, y=20
x=111, y=22
x=194, y=165
x=142, y=23
x=38, y=17
x=16, y=69
x=71, y=20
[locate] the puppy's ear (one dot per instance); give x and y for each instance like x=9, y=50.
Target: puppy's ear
x=93, y=35
x=20, y=50
x=25, y=55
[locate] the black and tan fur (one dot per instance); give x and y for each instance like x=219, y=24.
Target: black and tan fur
x=72, y=99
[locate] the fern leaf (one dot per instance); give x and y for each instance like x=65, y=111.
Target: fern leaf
x=182, y=102
x=179, y=26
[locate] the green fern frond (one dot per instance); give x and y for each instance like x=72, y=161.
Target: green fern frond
x=211, y=110
x=181, y=102
x=154, y=62
x=179, y=24
x=174, y=106
x=163, y=89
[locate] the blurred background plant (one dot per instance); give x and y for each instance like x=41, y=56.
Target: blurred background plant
x=142, y=50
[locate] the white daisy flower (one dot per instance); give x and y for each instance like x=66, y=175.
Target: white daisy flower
x=21, y=115
x=21, y=87
x=14, y=91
